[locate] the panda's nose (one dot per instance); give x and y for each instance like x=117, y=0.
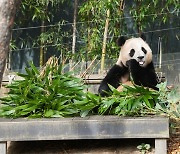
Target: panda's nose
x=140, y=57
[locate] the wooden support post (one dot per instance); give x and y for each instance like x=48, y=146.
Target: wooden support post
x=160, y=146
x=3, y=147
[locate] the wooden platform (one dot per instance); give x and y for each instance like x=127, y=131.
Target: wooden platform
x=94, y=127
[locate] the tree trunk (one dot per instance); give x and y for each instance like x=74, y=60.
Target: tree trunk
x=7, y=14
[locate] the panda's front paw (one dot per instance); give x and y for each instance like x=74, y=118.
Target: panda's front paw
x=131, y=62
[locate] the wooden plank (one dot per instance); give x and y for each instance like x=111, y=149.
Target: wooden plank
x=160, y=146
x=88, y=79
x=95, y=127
x=3, y=147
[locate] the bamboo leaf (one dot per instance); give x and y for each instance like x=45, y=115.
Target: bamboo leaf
x=145, y=98
x=84, y=113
x=48, y=113
x=34, y=69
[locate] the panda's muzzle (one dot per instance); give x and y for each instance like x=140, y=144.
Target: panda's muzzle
x=140, y=60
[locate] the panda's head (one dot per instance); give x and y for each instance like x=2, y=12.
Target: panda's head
x=134, y=48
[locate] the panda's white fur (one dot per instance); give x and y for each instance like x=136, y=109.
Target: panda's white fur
x=136, y=44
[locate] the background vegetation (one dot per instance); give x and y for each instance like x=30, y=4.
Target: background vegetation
x=45, y=27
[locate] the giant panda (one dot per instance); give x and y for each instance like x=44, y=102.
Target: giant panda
x=135, y=62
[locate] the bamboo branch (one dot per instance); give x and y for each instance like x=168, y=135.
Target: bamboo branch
x=85, y=72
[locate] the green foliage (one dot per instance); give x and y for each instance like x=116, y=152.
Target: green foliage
x=90, y=27
x=93, y=14
x=142, y=15
x=134, y=100
x=89, y=104
x=56, y=37
x=144, y=148
x=140, y=101
x=141, y=9
x=169, y=101
x=31, y=30
x=37, y=9
x=51, y=93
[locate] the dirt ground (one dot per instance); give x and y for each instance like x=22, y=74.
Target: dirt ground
x=174, y=140
x=174, y=144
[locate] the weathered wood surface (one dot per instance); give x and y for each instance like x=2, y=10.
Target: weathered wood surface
x=94, y=127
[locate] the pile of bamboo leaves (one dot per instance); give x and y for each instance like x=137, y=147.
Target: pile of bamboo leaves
x=48, y=93
x=51, y=93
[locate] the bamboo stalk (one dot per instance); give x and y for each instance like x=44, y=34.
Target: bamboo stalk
x=74, y=26
x=41, y=54
x=105, y=39
x=74, y=34
x=160, y=53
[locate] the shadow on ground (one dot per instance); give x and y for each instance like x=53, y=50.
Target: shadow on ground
x=113, y=146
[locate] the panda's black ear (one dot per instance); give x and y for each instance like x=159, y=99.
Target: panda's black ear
x=121, y=40
x=143, y=36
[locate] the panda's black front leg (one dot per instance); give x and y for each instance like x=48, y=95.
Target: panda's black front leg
x=135, y=70
x=112, y=78
x=142, y=76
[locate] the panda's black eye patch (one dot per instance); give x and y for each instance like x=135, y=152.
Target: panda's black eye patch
x=144, y=50
x=132, y=52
